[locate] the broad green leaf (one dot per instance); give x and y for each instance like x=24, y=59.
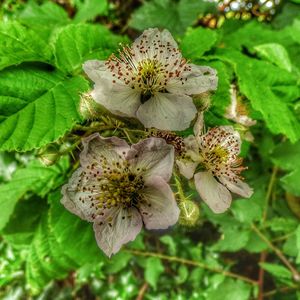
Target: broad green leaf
x=20, y=44
x=281, y=224
x=197, y=41
x=34, y=178
x=269, y=94
x=277, y=271
x=46, y=259
x=23, y=222
x=90, y=9
x=298, y=243
x=73, y=234
x=276, y=54
x=153, y=270
x=229, y=290
x=168, y=14
x=36, y=107
x=118, y=262
x=44, y=18
x=290, y=11
x=170, y=243
x=74, y=44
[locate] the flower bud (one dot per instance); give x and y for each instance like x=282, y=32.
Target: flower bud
x=189, y=213
x=89, y=108
x=202, y=101
x=49, y=155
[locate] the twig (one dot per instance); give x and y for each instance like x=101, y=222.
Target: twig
x=142, y=291
x=192, y=263
x=261, y=274
x=279, y=254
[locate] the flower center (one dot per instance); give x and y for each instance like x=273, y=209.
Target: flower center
x=119, y=186
x=217, y=156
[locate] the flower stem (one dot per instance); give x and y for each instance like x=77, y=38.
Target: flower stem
x=192, y=263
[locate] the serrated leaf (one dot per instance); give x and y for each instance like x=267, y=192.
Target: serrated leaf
x=20, y=44
x=276, y=54
x=90, y=9
x=46, y=259
x=37, y=107
x=153, y=270
x=74, y=44
x=73, y=234
x=168, y=14
x=197, y=41
x=34, y=178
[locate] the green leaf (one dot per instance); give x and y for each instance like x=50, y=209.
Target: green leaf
x=34, y=178
x=298, y=243
x=44, y=19
x=277, y=271
x=20, y=44
x=280, y=224
x=90, y=9
x=269, y=94
x=197, y=41
x=153, y=270
x=74, y=44
x=36, y=107
x=118, y=262
x=168, y=14
x=73, y=234
x=46, y=259
x=276, y=54
x=229, y=290
x=169, y=241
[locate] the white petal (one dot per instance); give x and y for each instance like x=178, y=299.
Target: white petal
x=159, y=209
x=95, y=146
x=116, y=228
x=239, y=187
x=167, y=112
x=96, y=70
x=153, y=156
x=117, y=97
x=199, y=80
x=187, y=167
x=213, y=193
x=199, y=125
x=79, y=197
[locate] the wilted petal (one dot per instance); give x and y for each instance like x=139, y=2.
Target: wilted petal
x=213, y=193
x=79, y=196
x=199, y=80
x=153, y=156
x=187, y=167
x=96, y=70
x=117, y=97
x=199, y=125
x=117, y=227
x=238, y=186
x=167, y=112
x=96, y=147
x=159, y=209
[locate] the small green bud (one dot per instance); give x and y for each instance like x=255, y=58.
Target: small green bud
x=189, y=213
x=202, y=101
x=89, y=108
x=49, y=155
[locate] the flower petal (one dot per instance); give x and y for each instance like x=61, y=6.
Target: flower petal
x=238, y=187
x=159, y=209
x=96, y=70
x=199, y=125
x=79, y=195
x=213, y=193
x=153, y=156
x=199, y=80
x=117, y=227
x=187, y=167
x=117, y=97
x=167, y=112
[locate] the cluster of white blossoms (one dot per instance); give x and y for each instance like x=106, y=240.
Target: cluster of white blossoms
x=119, y=187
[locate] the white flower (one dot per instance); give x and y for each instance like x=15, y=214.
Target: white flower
x=119, y=188
x=151, y=81
x=217, y=152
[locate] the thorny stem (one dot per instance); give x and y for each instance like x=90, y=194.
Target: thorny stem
x=282, y=290
x=279, y=254
x=191, y=263
x=180, y=192
x=142, y=291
